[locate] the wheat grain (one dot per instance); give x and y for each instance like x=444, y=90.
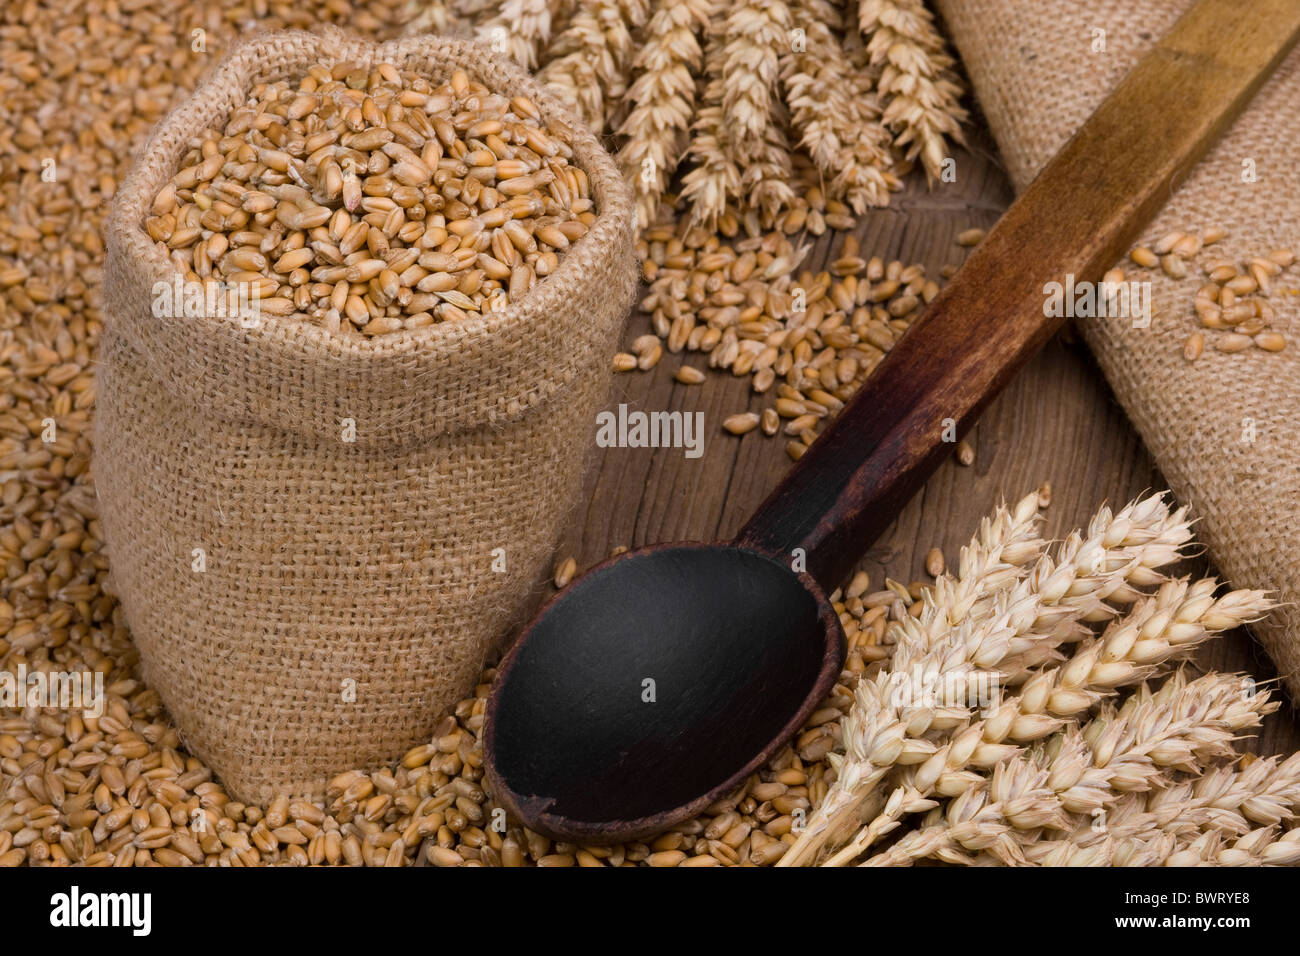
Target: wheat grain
x=1234, y=301
x=737, y=302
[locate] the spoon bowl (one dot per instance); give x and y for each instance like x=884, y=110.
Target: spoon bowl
x=653, y=685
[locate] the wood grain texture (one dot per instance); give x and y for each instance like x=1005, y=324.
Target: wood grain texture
x=1056, y=421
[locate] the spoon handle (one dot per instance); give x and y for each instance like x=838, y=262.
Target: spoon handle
x=1076, y=219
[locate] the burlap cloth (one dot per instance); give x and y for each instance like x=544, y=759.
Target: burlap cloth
x=1037, y=79
x=349, y=594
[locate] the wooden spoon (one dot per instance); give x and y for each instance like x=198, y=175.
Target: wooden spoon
x=660, y=679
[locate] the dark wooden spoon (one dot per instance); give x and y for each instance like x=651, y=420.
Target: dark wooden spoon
x=660, y=679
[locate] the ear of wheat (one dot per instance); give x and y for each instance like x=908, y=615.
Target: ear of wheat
x=837, y=122
x=520, y=30
x=1164, y=628
x=917, y=81
x=589, y=63
x=662, y=97
x=1179, y=728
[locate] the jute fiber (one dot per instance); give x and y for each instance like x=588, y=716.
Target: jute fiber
x=1225, y=430
x=348, y=594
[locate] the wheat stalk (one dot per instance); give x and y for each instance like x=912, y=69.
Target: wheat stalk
x=1120, y=551
x=875, y=734
x=916, y=78
x=1226, y=799
x=662, y=99
x=714, y=176
x=742, y=104
x=478, y=9
x=1191, y=821
x=838, y=126
x=436, y=16
x=1262, y=847
x=740, y=149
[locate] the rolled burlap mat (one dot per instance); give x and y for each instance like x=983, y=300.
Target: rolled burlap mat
x=1224, y=429
x=318, y=540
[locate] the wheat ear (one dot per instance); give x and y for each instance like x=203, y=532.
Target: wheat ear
x=739, y=147
x=1163, y=628
x=875, y=734
x=1147, y=828
x=917, y=79
x=657, y=128
x=837, y=125
x=436, y=16
x=520, y=30
x=1266, y=846
x=589, y=62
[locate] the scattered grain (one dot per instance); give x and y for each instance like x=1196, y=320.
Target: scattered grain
x=1045, y=495
x=1144, y=257
x=742, y=423
x=1233, y=342
x=564, y=572
x=1270, y=341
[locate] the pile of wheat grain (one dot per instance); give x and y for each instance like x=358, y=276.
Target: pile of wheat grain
x=809, y=339
x=373, y=200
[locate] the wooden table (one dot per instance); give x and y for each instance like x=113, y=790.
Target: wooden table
x=1057, y=422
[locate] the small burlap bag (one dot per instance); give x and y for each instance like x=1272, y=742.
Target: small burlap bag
x=1225, y=430
x=349, y=593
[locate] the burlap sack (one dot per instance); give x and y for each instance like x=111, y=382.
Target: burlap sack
x=349, y=594
x=1224, y=430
